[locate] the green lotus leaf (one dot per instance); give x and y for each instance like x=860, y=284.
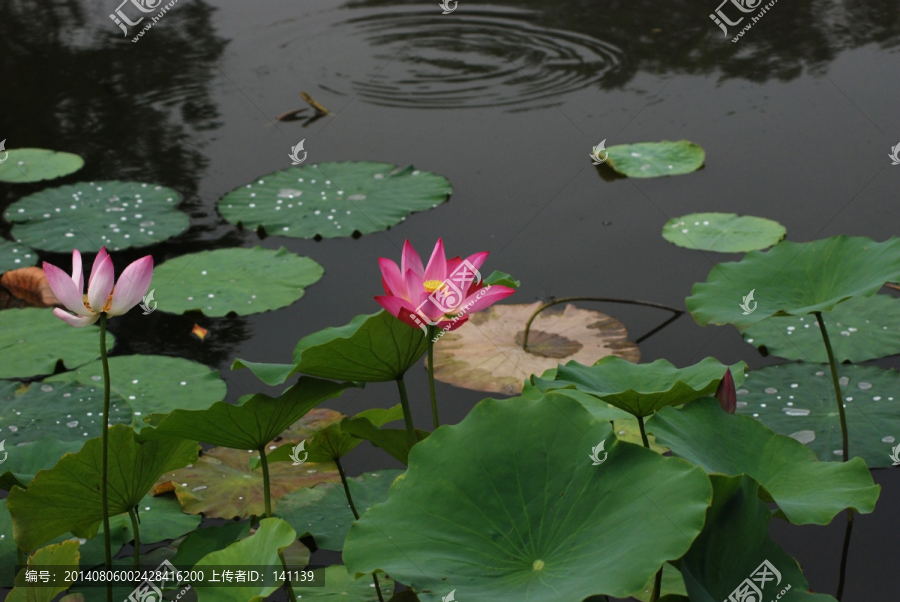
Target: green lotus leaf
x=63, y=554
x=26, y=165
x=655, y=159
x=204, y=541
x=733, y=547
x=34, y=340
x=272, y=536
x=797, y=400
x=371, y=348
x=340, y=585
x=89, y=215
x=641, y=389
x=332, y=200
x=67, y=497
x=393, y=441
x=672, y=586
x=238, y=280
x=24, y=460
x=252, y=423
x=860, y=329
x=806, y=490
x=221, y=485
x=14, y=256
x=723, y=232
x=161, y=518
x=323, y=511
x=474, y=514
x=795, y=279
x=502, y=279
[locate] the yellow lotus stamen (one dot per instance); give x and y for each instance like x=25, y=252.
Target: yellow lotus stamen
x=433, y=285
x=108, y=305
x=87, y=305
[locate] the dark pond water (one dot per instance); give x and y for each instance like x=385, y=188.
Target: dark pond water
x=505, y=99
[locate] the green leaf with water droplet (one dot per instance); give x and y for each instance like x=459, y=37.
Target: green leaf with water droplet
x=236, y=280
x=25, y=165
x=89, y=215
x=655, y=159
x=14, y=256
x=723, y=232
x=332, y=200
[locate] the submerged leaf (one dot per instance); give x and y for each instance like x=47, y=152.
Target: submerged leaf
x=723, y=232
x=655, y=159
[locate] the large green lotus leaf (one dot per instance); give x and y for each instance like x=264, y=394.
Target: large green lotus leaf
x=327, y=517
x=24, y=460
x=261, y=548
x=672, y=585
x=161, y=518
x=641, y=389
x=153, y=384
x=529, y=516
x=655, y=159
x=34, y=340
x=26, y=165
x=251, y=423
x=723, y=232
x=339, y=585
x=795, y=279
x=798, y=400
x=371, y=348
x=393, y=441
x=204, y=541
x=806, y=490
x=331, y=200
x=63, y=554
x=89, y=215
x=243, y=281
x=67, y=497
x=14, y=256
x=221, y=485
x=733, y=547
x=860, y=329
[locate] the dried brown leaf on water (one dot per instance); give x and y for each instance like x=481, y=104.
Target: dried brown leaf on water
x=485, y=354
x=199, y=332
x=30, y=285
x=314, y=104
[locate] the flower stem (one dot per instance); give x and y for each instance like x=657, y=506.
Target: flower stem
x=643, y=432
x=407, y=413
x=137, y=537
x=287, y=582
x=104, y=476
x=845, y=447
x=340, y=468
x=843, y=572
x=657, y=583
x=432, y=330
x=266, y=485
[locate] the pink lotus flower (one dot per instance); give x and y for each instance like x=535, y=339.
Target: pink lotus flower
x=104, y=293
x=408, y=288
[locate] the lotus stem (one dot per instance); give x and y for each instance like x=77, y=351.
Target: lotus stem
x=643, y=432
x=287, y=582
x=845, y=447
x=337, y=462
x=657, y=585
x=20, y=556
x=432, y=330
x=267, y=495
x=843, y=572
x=137, y=538
x=104, y=470
x=676, y=314
x=407, y=413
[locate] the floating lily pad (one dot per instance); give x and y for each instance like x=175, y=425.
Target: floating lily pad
x=806, y=490
x=25, y=165
x=34, y=340
x=323, y=511
x=723, y=232
x=734, y=545
x=642, y=389
x=797, y=400
x=90, y=215
x=860, y=329
x=486, y=352
x=24, y=460
x=243, y=281
x=14, y=256
x=332, y=200
x=655, y=159
x=340, y=585
x=221, y=485
x=371, y=348
x=152, y=384
x=472, y=513
x=795, y=279
x=67, y=497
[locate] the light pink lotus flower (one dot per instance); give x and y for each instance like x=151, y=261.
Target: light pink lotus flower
x=104, y=293
x=408, y=288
